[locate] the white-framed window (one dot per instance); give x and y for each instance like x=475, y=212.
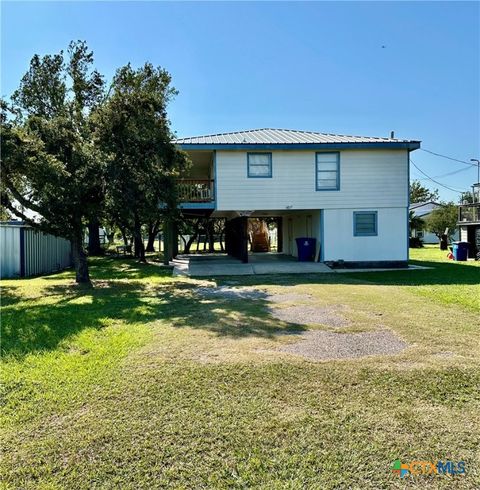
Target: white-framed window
x=365, y=223
x=327, y=168
x=259, y=165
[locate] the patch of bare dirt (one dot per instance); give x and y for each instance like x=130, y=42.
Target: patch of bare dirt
x=312, y=315
x=321, y=345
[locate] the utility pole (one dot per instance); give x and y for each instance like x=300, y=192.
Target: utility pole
x=478, y=178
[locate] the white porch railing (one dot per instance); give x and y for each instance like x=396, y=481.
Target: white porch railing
x=195, y=190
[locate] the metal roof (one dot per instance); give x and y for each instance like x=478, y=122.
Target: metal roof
x=285, y=137
x=423, y=208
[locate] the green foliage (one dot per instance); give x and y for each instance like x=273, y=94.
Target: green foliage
x=4, y=214
x=442, y=219
x=420, y=193
x=415, y=222
x=415, y=242
x=133, y=129
x=467, y=198
x=49, y=163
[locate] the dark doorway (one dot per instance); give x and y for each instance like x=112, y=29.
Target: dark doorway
x=236, y=238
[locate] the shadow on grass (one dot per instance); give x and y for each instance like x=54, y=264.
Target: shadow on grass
x=129, y=293
x=43, y=322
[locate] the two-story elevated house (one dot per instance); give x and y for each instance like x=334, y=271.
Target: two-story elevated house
x=348, y=192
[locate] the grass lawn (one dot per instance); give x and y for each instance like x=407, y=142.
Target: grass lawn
x=143, y=382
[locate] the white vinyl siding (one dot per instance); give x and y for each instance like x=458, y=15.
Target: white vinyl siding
x=328, y=171
x=370, y=179
x=391, y=242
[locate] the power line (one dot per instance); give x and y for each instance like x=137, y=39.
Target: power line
x=433, y=180
x=451, y=173
x=449, y=158
x=445, y=175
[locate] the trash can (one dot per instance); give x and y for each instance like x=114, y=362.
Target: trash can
x=306, y=248
x=460, y=250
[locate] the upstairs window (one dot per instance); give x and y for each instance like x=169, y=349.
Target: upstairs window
x=365, y=223
x=328, y=171
x=259, y=164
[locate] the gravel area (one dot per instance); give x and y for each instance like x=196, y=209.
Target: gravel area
x=320, y=345
x=231, y=293
x=311, y=315
x=288, y=297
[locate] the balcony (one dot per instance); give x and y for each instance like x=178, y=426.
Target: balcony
x=196, y=190
x=469, y=213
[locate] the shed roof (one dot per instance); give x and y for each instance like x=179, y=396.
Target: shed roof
x=287, y=138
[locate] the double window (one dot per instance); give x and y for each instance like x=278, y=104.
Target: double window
x=327, y=171
x=365, y=223
x=259, y=164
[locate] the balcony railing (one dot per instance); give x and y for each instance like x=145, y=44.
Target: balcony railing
x=196, y=190
x=469, y=213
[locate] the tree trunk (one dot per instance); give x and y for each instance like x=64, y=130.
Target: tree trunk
x=138, y=242
x=444, y=242
x=152, y=233
x=189, y=243
x=94, y=246
x=211, y=236
x=80, y=261
x=124, y=236
x=222, y=234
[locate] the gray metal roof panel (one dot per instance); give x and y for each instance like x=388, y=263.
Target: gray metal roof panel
x=269, y=136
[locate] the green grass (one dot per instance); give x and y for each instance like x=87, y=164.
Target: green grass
x=141, y=383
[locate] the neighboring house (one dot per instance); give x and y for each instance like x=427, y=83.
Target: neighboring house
x=422, y=210
x=26, y=252
x=469, y=226
x=348, y=192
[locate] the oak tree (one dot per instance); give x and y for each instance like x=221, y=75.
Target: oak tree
x=52, y=174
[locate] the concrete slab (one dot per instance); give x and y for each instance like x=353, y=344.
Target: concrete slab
x=290, y=268
x=409, y=268
x=207, y=270
x=209, y=265
x=223, y=265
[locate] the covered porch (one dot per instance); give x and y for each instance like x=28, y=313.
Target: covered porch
x=245, y=235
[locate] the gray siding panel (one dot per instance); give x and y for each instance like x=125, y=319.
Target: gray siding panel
x=45, y=253
x=39, y=253
x=9, y=251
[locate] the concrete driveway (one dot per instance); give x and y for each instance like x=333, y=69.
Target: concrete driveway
x=259, y=263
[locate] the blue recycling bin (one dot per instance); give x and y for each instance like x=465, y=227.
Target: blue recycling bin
x=460, y=251
x=306, y=249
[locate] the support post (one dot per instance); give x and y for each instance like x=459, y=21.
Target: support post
x=280, y=235
x=167, y=241
x=236, y=238
x=174, y=240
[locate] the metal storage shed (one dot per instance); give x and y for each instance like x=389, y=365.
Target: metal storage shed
x=26, y=252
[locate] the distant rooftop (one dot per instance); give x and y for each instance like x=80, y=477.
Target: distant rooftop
x=287, y=137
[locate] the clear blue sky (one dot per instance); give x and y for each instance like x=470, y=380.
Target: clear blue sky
x=312, y=66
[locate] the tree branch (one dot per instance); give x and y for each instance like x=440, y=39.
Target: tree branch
x=19, y=197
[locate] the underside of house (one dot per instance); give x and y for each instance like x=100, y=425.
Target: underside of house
x=469, y=226
x=349, y=193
